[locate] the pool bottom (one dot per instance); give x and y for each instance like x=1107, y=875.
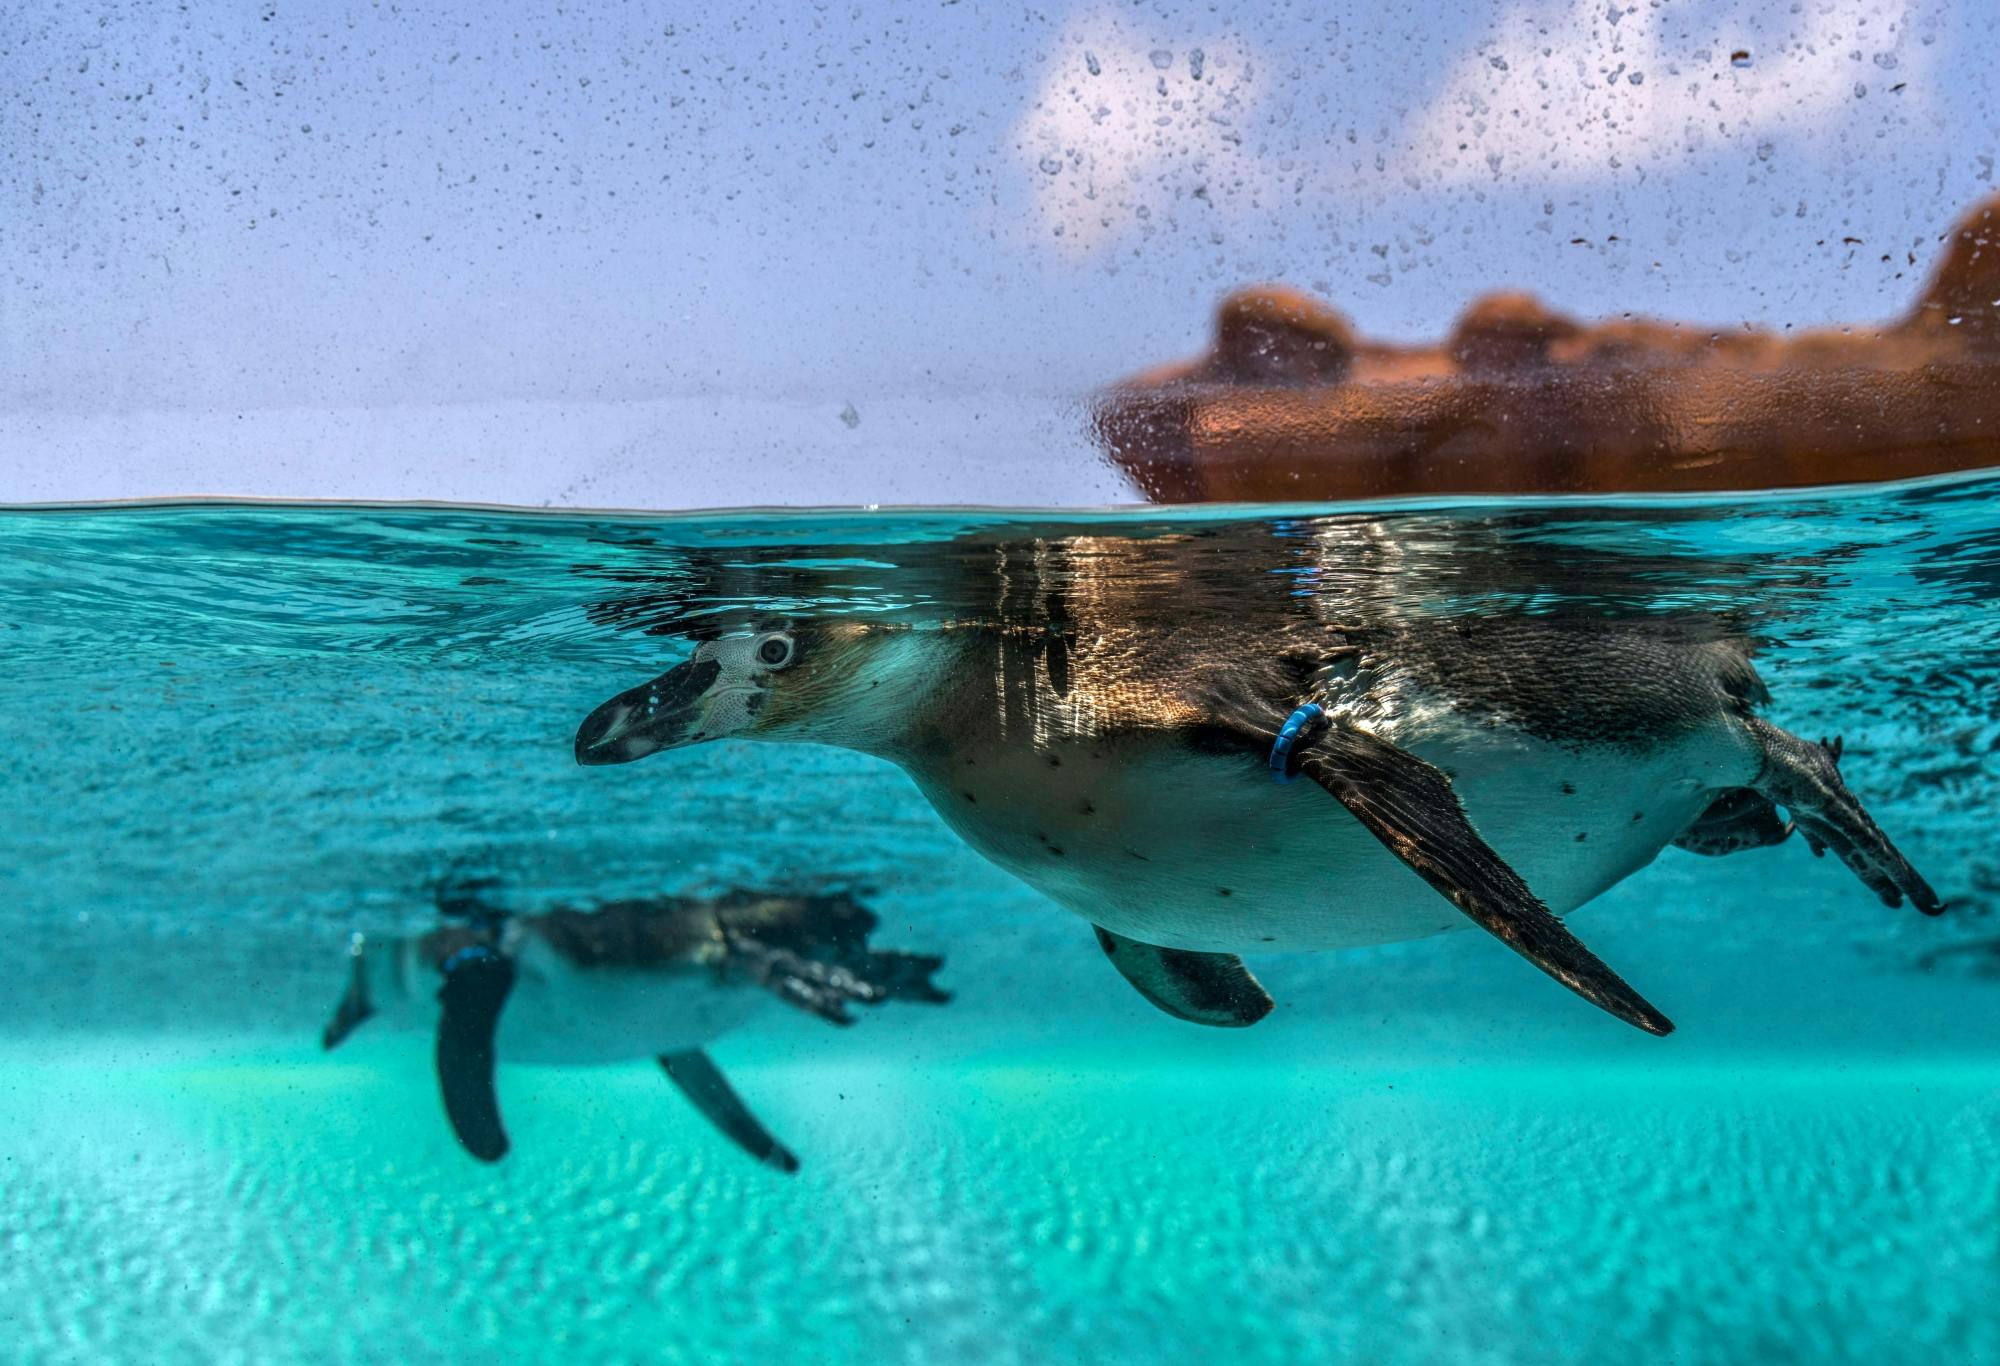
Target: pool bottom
x=293, y=1210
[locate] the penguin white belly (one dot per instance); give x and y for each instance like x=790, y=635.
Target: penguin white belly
x=1205, y=852
x=558, y=1013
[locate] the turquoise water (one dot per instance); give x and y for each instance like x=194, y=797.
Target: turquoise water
x=240, y=732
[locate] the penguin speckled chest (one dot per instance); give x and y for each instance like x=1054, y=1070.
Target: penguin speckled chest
x=1497, y=771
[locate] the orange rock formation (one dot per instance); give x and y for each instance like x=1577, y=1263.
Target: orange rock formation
x=1291, y=404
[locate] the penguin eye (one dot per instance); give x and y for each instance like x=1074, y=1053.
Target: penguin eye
x=775, y=650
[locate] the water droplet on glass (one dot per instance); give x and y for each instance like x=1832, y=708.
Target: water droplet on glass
x=1162, y=59
x=851, y=416
x=1090, y=60
x=1051, y=165
x=1195, y=61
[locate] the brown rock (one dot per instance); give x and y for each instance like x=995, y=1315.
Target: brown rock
x=1509, y=331
x=1290, y=404
x=1275, y=335
x=1963, y=298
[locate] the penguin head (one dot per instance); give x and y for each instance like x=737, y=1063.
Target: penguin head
x=782, y=680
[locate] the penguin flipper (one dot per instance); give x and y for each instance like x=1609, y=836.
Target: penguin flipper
x=1201, y=988
x=476, y=983
x=355, y=1007
x=1410, y=806
x=702, y=1082
x=1741, y=818
x=1804, y=778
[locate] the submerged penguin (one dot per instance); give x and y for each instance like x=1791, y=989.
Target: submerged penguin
x=652, y=977
x=1498, y=771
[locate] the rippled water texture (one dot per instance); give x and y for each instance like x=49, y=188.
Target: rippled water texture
x=237, y=733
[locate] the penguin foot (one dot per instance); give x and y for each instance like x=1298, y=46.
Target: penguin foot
x=813, y=952
x=355, y=1007
x=824, y=989
x=1201, y=988
x=1741, y=818
x=1804, y=778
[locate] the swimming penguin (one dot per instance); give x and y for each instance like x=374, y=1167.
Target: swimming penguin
x=1498, y=770
x=655, y=977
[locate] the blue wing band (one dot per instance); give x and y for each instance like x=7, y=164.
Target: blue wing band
x=1308, y=718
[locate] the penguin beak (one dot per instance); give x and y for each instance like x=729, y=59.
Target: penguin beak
x=662, y=714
